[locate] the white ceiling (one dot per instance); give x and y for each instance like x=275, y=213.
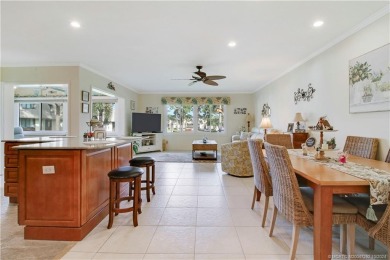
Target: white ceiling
x=144, y=45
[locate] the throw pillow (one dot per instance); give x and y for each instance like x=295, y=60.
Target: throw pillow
x=244, y=135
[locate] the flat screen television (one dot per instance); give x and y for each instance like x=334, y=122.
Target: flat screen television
x=144, y=122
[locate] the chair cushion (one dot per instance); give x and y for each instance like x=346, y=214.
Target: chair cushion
x=125, y=172
x=340, y=206
x=362, y=202
x=141, y=161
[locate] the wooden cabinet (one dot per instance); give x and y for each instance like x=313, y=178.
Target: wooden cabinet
x=299, y=139
x=69, y=203
x=11, y=170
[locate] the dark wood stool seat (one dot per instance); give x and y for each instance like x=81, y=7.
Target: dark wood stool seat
x=129, y=174
x=146, y=162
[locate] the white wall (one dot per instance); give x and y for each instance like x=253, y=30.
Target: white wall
x=89, y=80
x=183, y=141
x=329, y=75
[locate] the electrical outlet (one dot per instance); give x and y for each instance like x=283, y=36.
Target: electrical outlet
x=48, y=169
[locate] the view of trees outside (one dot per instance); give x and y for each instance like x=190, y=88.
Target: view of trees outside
x=180, y=118
x=209, y=118
x=104, y=112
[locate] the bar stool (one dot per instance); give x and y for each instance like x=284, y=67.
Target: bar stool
x=129, y=174
x=147, y=162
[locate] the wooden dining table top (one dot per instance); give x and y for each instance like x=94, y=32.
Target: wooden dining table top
x=324, y=175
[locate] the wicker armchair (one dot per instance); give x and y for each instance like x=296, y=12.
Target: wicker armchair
x=296, y=204
x=262, y=179
x=365, y=147
x=235, y=159
x=279, y=139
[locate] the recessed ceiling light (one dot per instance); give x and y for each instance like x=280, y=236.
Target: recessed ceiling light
x=75, y=24
x=232, y=44
x=318, y=23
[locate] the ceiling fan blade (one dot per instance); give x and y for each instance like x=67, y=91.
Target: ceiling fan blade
x=215, y=77
x=192, y=83
x=210, y=82
x=182, y=79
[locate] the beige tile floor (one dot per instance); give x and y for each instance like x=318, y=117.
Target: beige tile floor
x=198, y=212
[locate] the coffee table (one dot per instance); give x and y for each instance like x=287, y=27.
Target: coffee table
x=210, y=145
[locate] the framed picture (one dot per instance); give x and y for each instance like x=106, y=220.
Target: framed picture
x=369, y=81
x=290, y=127
x=132, y=104
x=85, y=108
x=151, y=110
x=85, y=96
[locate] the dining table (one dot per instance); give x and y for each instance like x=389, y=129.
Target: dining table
x=327, y=181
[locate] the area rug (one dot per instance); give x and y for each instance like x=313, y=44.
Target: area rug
x=181, y=156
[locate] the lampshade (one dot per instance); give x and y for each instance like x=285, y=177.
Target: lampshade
x=298, y=117
x=265, y=123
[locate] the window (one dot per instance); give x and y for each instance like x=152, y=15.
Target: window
x=104, y=108
x=41, y=116
x=41, y=108
x=180, y=118
x=208, y=118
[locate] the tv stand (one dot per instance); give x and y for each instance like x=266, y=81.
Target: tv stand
x=150, y=142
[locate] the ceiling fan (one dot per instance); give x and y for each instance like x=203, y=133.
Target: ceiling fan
x=202, y=77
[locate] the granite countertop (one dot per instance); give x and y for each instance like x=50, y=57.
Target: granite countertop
x=66, y=142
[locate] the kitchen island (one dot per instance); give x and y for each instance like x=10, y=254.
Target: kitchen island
x=63, y=188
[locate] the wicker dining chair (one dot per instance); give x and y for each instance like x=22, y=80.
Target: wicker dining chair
x=296, y=204
x=365, y=147
x=388, y=157
x=376, y=229
x=261, y=178
x=279, y=139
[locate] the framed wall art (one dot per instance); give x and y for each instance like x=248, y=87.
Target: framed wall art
x=132, y=104
x=85, y=96
x=369, y=81
x=84, y=107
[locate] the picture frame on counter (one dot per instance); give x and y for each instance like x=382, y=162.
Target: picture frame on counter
x=84, y=107
x=290, y=127
x=84, y=96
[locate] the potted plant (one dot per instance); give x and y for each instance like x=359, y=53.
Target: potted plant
x=331, y=143
x=135, y=146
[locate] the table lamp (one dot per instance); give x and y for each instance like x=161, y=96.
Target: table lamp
x=248, y=119
x=265, y=123
x=298, y=117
